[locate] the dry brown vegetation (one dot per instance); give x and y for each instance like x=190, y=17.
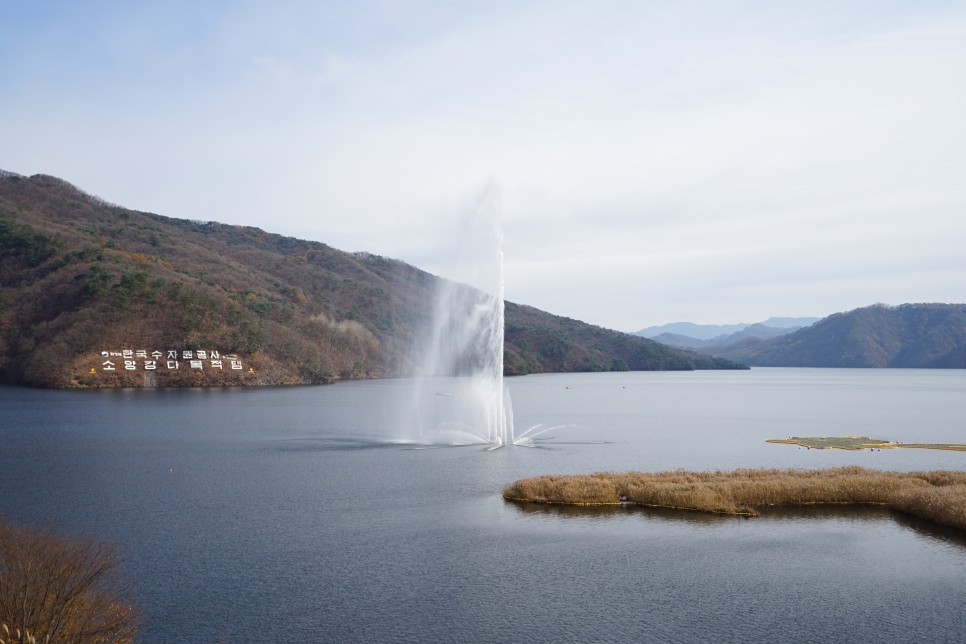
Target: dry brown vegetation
x=939, y=496
x=61, y=589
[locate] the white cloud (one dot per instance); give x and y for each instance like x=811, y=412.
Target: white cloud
x=657, y=161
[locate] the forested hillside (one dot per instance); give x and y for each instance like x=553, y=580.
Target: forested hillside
x=537, y=341
x=909, y=335
x=93, y=294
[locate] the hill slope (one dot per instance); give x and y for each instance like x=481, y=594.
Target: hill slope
x=909, y=335
x=92, y=294
x=537, y=342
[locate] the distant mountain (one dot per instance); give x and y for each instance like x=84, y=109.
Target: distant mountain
x=754, y=331
x=716, y=332
x=909, y=335
x=95, y=295
x=680, y=341
x=690, y=330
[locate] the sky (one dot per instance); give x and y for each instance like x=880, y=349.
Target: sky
x=650, y=161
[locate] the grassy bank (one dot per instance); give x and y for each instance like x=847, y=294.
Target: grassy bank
x=939, y=496
x=860, y=442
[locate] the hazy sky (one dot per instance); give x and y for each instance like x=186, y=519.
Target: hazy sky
x=655, y=161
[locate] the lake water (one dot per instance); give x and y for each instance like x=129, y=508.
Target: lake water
x=289, y=514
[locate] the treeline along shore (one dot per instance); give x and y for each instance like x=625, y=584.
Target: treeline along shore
x=939, y=496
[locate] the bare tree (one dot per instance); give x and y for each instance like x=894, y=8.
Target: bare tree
x=61, y=589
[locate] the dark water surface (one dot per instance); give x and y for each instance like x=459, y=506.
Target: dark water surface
x=290, y=515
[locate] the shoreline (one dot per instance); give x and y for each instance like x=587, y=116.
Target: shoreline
x=938, y=496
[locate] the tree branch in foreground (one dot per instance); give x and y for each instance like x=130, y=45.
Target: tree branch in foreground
x=55, y=588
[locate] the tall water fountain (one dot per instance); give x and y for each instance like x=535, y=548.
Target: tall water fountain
x=459, y=395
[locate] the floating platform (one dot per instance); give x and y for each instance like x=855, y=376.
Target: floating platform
x=859, y=443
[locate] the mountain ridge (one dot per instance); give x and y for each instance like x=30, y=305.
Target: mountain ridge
x=914, y=335
x=84, y=283
x=759, y=331
x=719, y=331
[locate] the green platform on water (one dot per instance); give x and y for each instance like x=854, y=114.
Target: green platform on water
x=860, y=442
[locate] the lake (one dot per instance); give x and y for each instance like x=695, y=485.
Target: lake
x=293, y=514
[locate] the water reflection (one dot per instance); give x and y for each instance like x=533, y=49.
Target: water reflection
x=289, y=512
x=605, y=512
x=352, y=443
x=948, y=535
x=783, y=514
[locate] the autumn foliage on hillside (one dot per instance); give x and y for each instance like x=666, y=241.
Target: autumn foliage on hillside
x=80, y=277
x=83, y=281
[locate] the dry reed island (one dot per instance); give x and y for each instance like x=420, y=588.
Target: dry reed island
x=939, y=496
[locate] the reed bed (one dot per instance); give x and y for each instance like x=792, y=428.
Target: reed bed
x=939, y=496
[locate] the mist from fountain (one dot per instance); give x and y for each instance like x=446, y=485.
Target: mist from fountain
x=459, y=396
